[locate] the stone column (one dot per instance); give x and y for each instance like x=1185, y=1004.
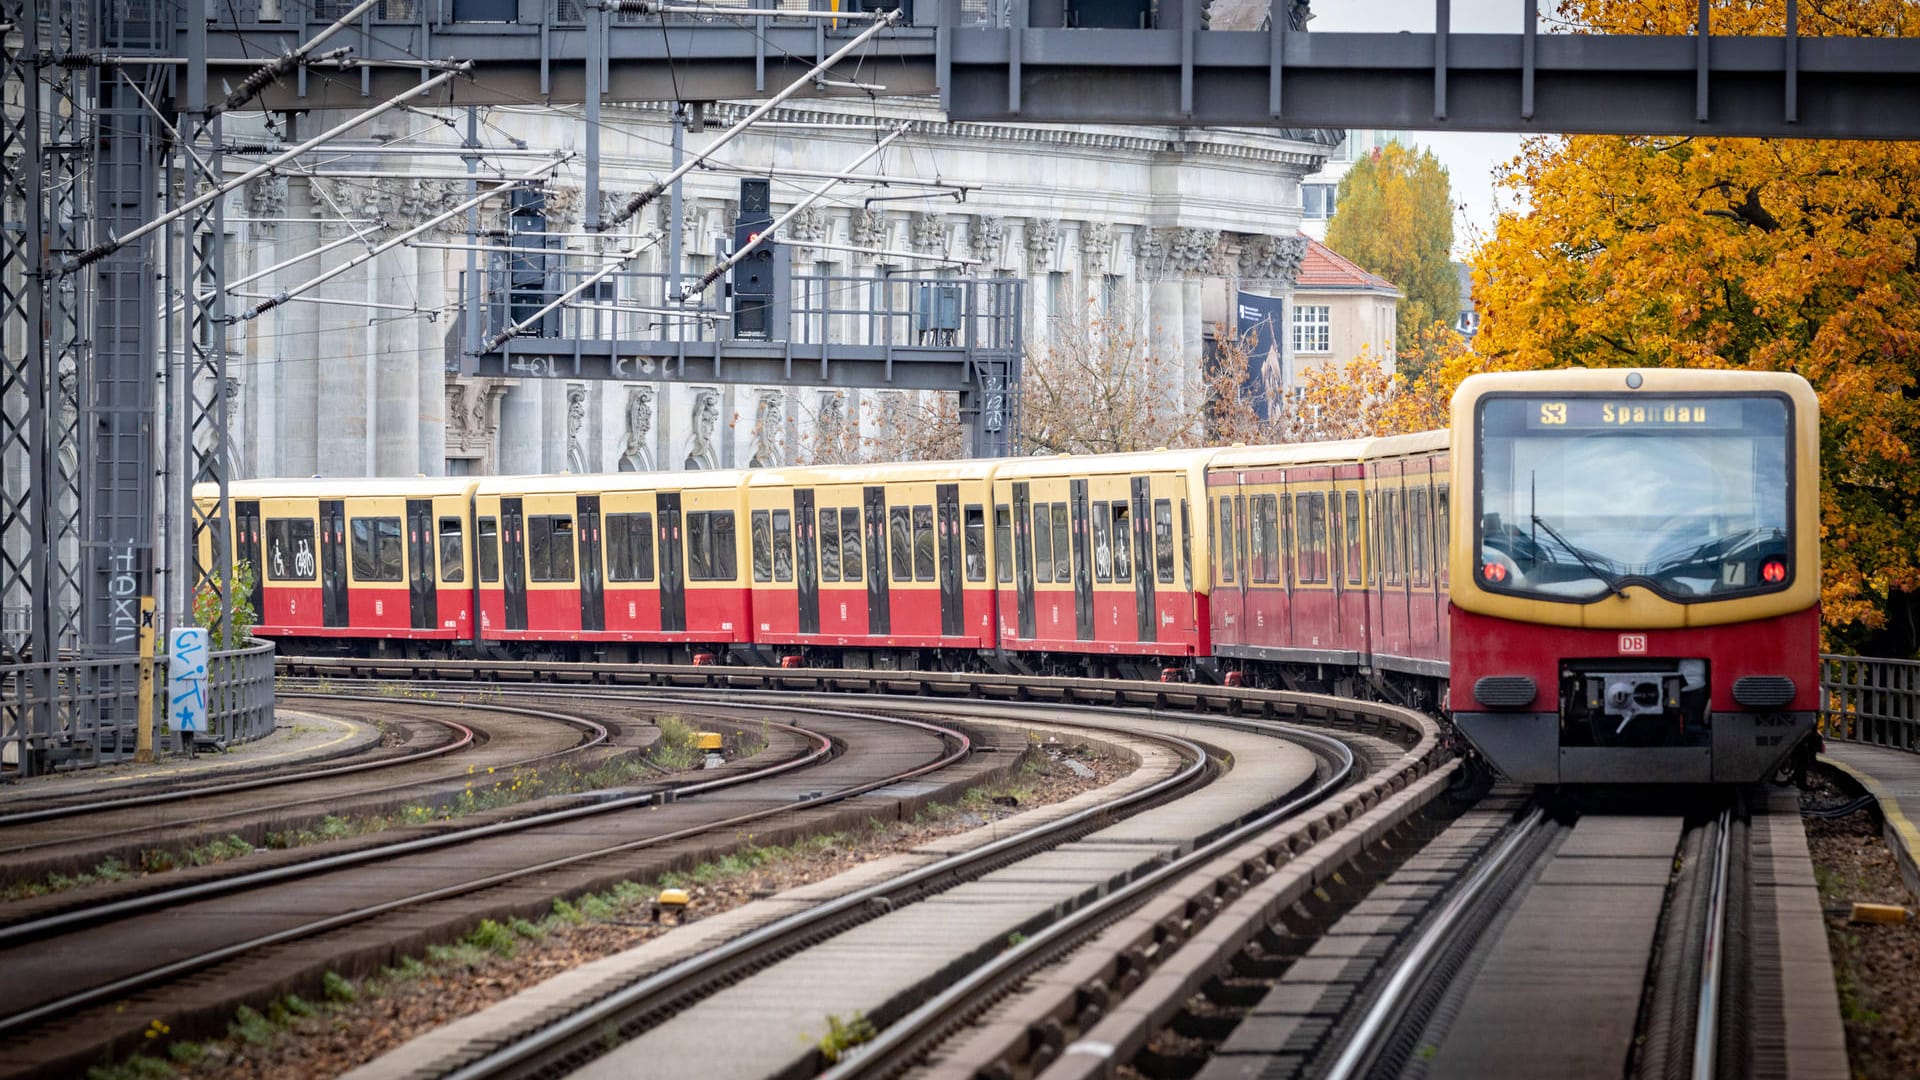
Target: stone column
x=396, y=377
x=340, y=346
x=517, y=447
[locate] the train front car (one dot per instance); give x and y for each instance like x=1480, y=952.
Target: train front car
x=1636, y=579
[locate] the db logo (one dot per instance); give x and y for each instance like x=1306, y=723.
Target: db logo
x=1633, y=643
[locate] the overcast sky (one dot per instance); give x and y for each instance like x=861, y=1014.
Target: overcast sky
x=1469, y=158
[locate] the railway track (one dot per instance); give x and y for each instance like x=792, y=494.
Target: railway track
x=75, y=834
x=84, y=976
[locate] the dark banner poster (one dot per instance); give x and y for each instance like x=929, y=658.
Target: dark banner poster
x=1260, y=321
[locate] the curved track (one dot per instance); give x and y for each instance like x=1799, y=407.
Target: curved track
x=245, y=933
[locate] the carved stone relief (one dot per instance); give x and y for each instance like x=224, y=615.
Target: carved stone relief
x=929, y=233
x=808, y=227
x=1043, y=239
x=868, y=228
x=267, y=198
x=1272, y=258
x=704, y=417
x=986, y=235
x=576, y=417
x=767, y=424
x=1096, y=246
x=1183, y=252
x=473, y=417
x=636, y=454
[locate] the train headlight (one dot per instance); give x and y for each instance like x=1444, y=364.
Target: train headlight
x=1493, y=571
x=1773, y=571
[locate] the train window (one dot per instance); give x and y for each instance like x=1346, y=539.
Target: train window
x=783, y=545
x=1186, y=544
x=900, y=540
x=1353, y=538
x=829, y=544
x=1419, y=533
x=1316, y=533
x=1395, y=528
x=923, y=568
x=1277, y=527
x=1122, y=542
x=1442, y=535
x=291, y=551
x=489, y=549
x=1257, y=543
x=852, y=566
x=1334, y=550
x=1226, y=539
x=1062, y=563
x=630, y=547
x=1242, y=524
x=710, y=546
x=1102, y=544
x=376, y=549
x=1042, y=544
x=1002, y=543
x=760, y=527
x=1163, y=540
x=453, y=556
x=976, y=542
x=550, y=547
x=1289, y=535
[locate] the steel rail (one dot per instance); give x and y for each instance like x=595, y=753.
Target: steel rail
x=896, y=1047
x=113, y=990
x=1386, y=1008
x=1706, y=1021
x=689, y=976
x=593, y=728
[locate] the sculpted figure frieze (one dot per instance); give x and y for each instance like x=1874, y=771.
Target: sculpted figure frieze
x=768, y=413
x=1043, y=239
x=576, y=417
x=929, y=233
x=868, y=228
x=1096, y=246
x=986, y=236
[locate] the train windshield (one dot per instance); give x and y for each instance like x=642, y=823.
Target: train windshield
x=1580, y=496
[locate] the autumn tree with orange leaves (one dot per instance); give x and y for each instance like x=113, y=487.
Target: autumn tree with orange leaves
x=1777, y=255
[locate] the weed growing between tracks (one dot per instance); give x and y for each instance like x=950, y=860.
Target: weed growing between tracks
x=364, y=1018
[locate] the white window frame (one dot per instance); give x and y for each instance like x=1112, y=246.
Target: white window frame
x=1312, y=329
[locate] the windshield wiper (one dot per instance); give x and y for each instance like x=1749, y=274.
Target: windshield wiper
x=1612, y=586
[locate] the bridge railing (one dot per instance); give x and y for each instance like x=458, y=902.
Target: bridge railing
x=1869, y=700
x=77, y=712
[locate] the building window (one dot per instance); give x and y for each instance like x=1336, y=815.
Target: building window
x=1312, y=328
x=1316, y=201
x=1110, y=293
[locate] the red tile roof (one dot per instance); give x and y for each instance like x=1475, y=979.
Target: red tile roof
x=1323, y=268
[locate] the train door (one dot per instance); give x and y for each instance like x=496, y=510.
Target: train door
x=333, y=562
x=513, y=562
x=593, y=605
x=1082, y=562
x=422, y=605
x=1023, y=557
x=879, y=602
x=1147, y=614
x=1335, y=556
x=806, y=561
x=246, y=532
x=946, y=499
x=673, y=578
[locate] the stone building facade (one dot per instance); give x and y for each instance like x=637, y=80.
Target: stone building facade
x=1156, y=224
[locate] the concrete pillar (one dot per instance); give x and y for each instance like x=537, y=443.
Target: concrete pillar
x=342, y=345
x=430, y=361
x=292, y=334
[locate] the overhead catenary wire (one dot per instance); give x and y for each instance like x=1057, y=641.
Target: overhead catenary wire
x=640, y=201
x=109, y=246
x=284, y=295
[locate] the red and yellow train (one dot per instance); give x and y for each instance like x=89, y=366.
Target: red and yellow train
x=1599, y=575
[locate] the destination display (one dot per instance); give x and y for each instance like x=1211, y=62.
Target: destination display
x=1588, y=413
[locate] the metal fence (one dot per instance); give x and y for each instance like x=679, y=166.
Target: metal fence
x=1867, y=700
x=67, y=714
